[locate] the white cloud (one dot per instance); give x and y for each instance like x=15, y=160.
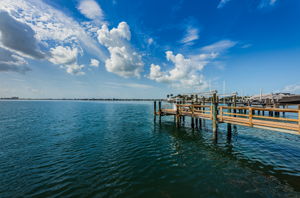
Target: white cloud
x=295, y=88
x=150, y=41
x=123, y=61
x=63, y=55
x=191, y=35
x=94, y=62
x=91, y=9
x=115, y=37
x=67, y=58
x=219, y=46
x=52, y=27
x=185, y=72
x=75, y=69
x=222, y=3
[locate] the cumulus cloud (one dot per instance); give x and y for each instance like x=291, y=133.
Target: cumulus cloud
x=123, y=61
x=10, y=61
x=67, y=58
x=94, y=62
x=18, y=37
x=185, y=72
x=222, y=3
x=91, y=9
x=63, y=55
x=75, y=69
x=191, y=35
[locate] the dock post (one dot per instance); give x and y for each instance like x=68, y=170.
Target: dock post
x=192, y=117
x=154, y=108
x=214, y=114
x=277, y=114
x=177, y=116
x=229, y=130
x=234, y=110
x=159, y=110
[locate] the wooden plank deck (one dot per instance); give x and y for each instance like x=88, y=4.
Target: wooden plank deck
x=225, y=115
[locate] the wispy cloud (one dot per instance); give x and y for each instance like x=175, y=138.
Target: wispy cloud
x=295, y=88
x=222, y=3
x=267, y=3
x=191, y=35
x=219, y=46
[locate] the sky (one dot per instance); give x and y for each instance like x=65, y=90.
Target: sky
x=149, y=48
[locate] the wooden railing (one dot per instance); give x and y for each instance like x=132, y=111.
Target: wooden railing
x=228, y=114
x=260, y=121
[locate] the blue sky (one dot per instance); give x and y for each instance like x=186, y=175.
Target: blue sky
x=147, y=49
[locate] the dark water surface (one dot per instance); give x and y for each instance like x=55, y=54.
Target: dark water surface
x=95, y=149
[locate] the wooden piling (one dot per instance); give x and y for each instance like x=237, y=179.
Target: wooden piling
x=214, y=114
x=192, y=117
x=159, y=110
x=229, y=129
x=177, y=116
x=234, y=110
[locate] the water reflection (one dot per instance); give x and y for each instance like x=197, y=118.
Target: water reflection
x=227, y=145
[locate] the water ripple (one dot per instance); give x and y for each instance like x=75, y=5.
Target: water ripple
x=94, y=149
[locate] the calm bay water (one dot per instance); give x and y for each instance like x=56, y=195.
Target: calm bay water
x=97, y=149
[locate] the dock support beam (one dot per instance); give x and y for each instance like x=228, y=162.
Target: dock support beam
x=159, y=111
x=177, y=117
x=154, y=109
x=234, y=110
x=192, y=118
x=229, y=129
x=214, y=115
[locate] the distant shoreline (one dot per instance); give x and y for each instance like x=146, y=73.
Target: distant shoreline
x=79, y=99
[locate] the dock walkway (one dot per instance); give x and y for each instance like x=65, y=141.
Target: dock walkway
x=245, y=116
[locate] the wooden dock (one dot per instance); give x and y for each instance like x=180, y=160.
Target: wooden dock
x=276, y=119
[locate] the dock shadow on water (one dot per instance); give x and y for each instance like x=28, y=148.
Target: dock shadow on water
x=237, y=160
x=98, y=149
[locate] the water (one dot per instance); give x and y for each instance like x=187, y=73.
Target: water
x=97, y=149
